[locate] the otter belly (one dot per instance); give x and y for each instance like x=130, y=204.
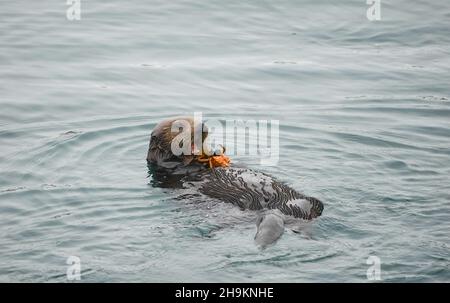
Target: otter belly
x=254, y=190
x=273, y=201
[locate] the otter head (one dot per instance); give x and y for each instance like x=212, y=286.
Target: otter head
x=176, y=141
x=270, y=227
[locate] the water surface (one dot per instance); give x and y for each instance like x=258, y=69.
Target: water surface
x=364, y=113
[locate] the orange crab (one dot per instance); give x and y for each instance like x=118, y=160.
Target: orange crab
x=215, y=160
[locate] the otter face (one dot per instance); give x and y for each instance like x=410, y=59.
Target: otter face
x=172, y=142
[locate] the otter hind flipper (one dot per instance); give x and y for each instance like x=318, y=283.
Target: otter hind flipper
x=270, y=227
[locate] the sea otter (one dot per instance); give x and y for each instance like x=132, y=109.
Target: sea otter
x=243, y=187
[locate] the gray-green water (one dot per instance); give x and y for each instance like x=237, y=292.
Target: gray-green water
x=364, y=125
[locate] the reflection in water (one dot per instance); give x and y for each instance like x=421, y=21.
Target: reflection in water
x=163, y=178
x=175, y=177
